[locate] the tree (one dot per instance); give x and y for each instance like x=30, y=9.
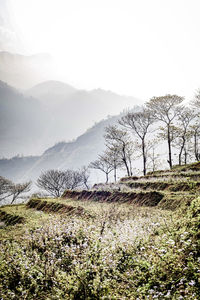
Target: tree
x=185, y=117
x=18, y=189
x=195, y=129
x=165, y=109
x=55, y=182
x=73, y=179
x=195, y=132
x=5, y=188
x=154, y=159
x=85, y=174
x=113, y=156
x=102, y=164
x=139, y=123
x=9, y=189
x=120, y=139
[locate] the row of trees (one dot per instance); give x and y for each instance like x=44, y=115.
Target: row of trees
x=54, y=182
x=161, y=118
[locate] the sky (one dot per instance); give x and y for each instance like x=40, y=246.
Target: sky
x=142, y=48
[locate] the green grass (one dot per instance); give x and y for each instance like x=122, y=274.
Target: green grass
x=123, y=252
x=107, y=250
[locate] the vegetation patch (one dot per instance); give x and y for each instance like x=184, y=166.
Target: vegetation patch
x=10, y=219
x=55, y=207
x=151, y=198
x=171, y=185
x=126, y=253
x=127, y=178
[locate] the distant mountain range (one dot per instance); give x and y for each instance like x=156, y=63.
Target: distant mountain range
x=36, y=114
x=33, y=119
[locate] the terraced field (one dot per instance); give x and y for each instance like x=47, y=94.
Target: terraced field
x=139, y=241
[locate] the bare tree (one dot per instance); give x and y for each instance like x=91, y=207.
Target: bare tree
x=18, y=189
x=102, y=164
x=195, y=132
x=5, y=188
x=85, y=174
x=73, y=179
x=9, y=189
x=165, y=109
x=154, y=159
x=195, y=129
x=185, y=117
x=52, y=181
x=120, y=140
x=139, y=123
x=113, y=155
x=55, y=182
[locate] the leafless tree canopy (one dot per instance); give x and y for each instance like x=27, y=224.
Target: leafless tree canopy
x=186, y=117
x=120, y=139
x=103, y=164
x=10, y=189
x=5, y=188
x=84, y=171
x=55, y=182
x=166, y=109
x=139, y=123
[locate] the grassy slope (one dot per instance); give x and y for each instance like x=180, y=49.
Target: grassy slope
x=106, y=251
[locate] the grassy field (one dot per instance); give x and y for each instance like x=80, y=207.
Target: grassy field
x=80, y=249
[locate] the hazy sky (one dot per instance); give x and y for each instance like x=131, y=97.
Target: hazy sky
x=142, y=48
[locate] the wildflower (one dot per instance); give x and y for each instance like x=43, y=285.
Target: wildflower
x=192, y=283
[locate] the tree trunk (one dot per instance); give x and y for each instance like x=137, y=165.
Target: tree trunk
x=196, y=147
x=181, y=151
x=115, y=174
x=185, y=155
x=169, y=147
x=144, y=157
x=106, y=177
x=125, y=161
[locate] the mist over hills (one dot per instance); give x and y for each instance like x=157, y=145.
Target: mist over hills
x=34, y=124
x=37, y=112
x=49, y=112
x=63, y=155
x=22, y=122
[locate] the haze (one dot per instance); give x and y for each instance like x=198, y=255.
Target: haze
x=141, y=48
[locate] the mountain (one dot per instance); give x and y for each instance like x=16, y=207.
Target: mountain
x=51, y=92
x=22, y=122
x=76, y=110
x=61, y=156
x=60, y=112
x=23, y=71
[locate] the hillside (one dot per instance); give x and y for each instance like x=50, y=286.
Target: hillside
x=63, y=155
x=139, y=243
